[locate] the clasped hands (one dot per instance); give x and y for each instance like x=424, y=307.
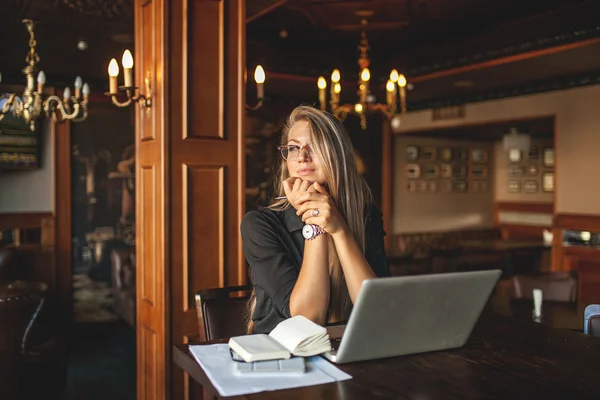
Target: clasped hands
x=306, y=197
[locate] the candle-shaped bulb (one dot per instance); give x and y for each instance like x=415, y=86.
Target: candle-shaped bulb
x=394, y=75
x=66, y=94
x=78, y=82
x=85, y=90
x=390, y=86
x=127, y=59
x=113, y=72
x=127, y=62
x=321, y=83
x=401, y=80
x=113, y=68
x=337, y=88
x=335, y=76
x=365, y=75
x=259, y=74
x=41, y=78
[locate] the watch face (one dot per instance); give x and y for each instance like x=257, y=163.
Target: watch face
x=308, y=231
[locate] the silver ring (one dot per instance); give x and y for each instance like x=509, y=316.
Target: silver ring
x=315, y=212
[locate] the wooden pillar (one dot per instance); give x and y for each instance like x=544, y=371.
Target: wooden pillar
x=189, y=174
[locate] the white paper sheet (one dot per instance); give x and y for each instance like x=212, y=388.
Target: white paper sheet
x=216, y=362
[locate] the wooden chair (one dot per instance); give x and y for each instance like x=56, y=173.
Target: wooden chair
x=222, y=312
x=591, y=322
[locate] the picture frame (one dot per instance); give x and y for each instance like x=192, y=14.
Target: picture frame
x=479, y=156
x=479, y=186
x=446, y=186
x=459, y=171
x=460, y=186
x=446, y=171
x=430, y=171
x=514, y=186
x=530, y=186
x=429, y=153
x=548, y=158
x=411, y=153
x=533, y=153
x=412, y=171
x=445, y=154
x=461, y=154
x=532, y=170
x=422, y=186
x=431, y=186
x=515, y=171
x=548, y=181
x=411, y=186
x=478, y=171
x=515, y=155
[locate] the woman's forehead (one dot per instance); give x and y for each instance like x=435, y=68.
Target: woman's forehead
x=300, y=131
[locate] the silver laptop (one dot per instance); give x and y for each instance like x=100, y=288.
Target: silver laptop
x=412, y=314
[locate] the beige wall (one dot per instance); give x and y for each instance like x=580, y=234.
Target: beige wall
x=418, y=212
x=502, y=177
x=577, y=132
x=31, y=191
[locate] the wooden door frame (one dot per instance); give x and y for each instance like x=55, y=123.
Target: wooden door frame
x=63, y=220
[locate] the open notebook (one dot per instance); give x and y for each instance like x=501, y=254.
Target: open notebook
x=297, y=336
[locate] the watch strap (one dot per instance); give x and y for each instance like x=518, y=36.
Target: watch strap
x=317, y=231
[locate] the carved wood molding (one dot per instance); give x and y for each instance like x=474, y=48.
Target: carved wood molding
x=23, y=220
x=578, y=221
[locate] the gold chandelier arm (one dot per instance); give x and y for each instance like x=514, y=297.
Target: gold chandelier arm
x=117, y=103
x=54, y=105
x=255, y=107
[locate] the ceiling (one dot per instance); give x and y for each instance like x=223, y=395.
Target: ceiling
x=450, y=50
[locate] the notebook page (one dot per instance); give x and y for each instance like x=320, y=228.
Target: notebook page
x=294, y=331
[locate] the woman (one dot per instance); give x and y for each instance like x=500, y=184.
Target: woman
x=309, y=252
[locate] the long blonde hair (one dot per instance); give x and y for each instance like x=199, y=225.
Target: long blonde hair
x=331, y=144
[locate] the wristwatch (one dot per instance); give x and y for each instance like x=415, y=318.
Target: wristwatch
x=311, y=231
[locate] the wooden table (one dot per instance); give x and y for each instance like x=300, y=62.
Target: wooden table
x=505, y=358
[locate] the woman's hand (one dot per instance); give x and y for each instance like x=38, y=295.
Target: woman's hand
x=328, y=217
x=294, y=188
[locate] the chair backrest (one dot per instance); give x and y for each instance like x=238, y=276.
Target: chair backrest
x=591, y=320
x=222, y=312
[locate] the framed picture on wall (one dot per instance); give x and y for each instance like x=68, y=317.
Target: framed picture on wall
x=548, y=157
x=422, y=186
x=514, y=155
x=459, y=171
x=411, y=186
x=446, y=186
x=534, y=153
x=446, y=171
x=412, y=153
x=532, y=170
x=412, y=170
x=479, y=155
x=548, y=182
x=446, y=154
x=479, y=171
x=480, y=186
x=530, y=187
x=514, y=186
x=516, y=171
x=430, y=171
x=462, y=154
x=460, y=186
x=428, y=153
x=431, y=186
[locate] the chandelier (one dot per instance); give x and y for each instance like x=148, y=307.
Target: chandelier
x=30, y=104
x=366, y=101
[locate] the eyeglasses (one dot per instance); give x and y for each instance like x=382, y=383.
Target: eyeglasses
x=290, y=152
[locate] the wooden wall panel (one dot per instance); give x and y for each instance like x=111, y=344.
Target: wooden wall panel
x=205, y=34
x=203, y=236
